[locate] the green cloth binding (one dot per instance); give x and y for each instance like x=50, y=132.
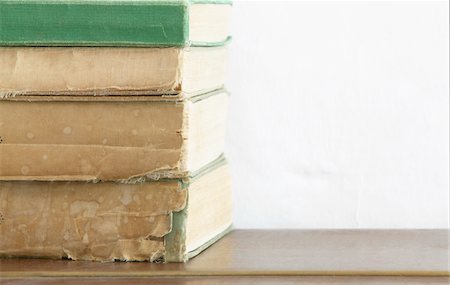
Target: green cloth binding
x=96, y=22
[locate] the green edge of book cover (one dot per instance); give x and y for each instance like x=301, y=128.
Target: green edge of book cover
x=95, y=22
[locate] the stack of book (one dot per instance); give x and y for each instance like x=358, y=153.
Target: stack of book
x=112, y=122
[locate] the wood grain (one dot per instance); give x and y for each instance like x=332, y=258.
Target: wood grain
x=238, y=280
x=251, y=254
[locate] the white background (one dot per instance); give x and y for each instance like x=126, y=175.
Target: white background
x=339, y=114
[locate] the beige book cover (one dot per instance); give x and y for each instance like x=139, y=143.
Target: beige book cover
x=117, y=138
x=167, y=220
x=89, y=71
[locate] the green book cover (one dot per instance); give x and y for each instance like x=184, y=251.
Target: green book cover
x=105, y=22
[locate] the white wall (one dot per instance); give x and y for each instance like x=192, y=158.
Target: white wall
x=339, y=114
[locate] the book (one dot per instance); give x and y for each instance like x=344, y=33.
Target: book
x=169, y=220
x=76, y=138
x=44, y=71
x=112, y=126
x=114, y=22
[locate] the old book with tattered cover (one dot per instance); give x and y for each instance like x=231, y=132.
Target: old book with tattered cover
x=114, y=139
x=107, y=71
x=168, y=220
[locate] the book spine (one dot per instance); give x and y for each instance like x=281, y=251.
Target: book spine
x=93, y=23
x=87, y=221
x=175, y=241
x=102, y=140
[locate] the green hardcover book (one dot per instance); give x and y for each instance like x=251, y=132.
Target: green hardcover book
x=168, y=220
x=113, y=22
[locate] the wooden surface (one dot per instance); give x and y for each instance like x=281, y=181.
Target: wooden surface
x=269, y=257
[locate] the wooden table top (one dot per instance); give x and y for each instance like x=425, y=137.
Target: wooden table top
x=319, y=256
